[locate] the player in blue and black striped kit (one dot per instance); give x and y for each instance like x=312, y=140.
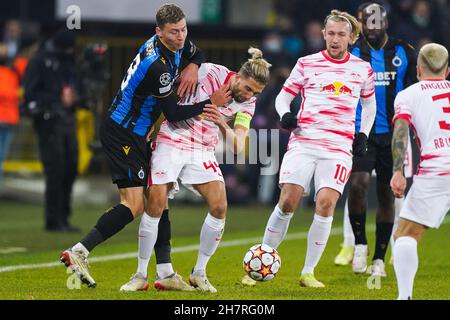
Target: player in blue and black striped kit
x=393, y=63
x=145, y=92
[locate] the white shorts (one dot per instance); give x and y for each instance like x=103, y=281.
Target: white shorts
x=428, y=201
x=192, y=167
x=298, y=167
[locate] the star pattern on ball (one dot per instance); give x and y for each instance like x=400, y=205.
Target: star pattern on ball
x=275, y=256
x=258, y=253
x=265, y=271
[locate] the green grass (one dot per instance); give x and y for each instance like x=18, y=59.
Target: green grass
x=21, y=226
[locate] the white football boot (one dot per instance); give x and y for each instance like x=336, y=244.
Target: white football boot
x=248, y=281
x=174, y=282
x=359, y=263
x=201, y=282
x=377, y=268
x=78, y=263
x=137, y=283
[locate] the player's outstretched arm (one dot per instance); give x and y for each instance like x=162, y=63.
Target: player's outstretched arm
x=174, y=112
x=158, y=82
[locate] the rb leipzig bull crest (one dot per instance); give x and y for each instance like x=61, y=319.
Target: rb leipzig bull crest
x=337, y=88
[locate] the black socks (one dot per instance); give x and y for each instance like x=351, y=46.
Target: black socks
x=383, y=235
x=358, y=222
x=110, y=223
x=162, y=245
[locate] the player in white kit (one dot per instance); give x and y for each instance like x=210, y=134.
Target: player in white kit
x=331, y=82
x=425, y=107
x=185, y=150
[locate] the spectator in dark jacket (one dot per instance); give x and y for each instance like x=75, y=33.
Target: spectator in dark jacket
x=424, y=23
x=50, y=85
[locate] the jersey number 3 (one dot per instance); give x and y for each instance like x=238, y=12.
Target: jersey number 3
x=131, y=70
x=442, y=124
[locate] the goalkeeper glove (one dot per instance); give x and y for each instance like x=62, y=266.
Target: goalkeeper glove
x=360, y=144
x=288, y=121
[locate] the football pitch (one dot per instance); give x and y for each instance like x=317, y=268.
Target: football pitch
x=29, y=266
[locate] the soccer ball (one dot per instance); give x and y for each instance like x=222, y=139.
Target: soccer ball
x=262, y=262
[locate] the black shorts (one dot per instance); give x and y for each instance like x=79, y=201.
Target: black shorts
x=378, y=157
x=127, y=154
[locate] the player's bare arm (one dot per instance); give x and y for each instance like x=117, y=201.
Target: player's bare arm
x=399, y=146
x=399, y=143
x=235, y=136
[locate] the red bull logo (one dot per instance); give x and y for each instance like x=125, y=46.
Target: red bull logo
x=337, y=88
x=329, y=88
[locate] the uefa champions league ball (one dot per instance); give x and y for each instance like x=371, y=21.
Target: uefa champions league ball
x=262, y=262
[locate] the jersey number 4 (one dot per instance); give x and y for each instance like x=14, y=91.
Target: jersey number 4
x=442, y=124
x=212, y=165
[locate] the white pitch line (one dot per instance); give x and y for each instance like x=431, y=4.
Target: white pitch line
x=223, y=244
x=229, y=243
x=10, y=250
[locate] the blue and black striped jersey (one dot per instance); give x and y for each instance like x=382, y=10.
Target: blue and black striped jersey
x=394, y=67
x=149, y=78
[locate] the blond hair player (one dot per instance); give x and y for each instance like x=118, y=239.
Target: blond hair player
x=331, y=83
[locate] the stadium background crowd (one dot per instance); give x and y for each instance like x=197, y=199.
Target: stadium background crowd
x=285, y=31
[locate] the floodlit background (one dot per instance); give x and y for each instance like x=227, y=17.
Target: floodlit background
x=224, y=29
x=285, y=30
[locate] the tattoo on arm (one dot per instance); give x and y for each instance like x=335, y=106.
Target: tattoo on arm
x=399, y=143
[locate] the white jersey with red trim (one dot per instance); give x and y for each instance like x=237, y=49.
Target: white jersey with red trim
x=330, y=92
x=426, y=106
x=196, y=133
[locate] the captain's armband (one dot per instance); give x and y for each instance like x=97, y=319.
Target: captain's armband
x=242, y=119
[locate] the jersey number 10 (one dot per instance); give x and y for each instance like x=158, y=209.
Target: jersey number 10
x=342, y=174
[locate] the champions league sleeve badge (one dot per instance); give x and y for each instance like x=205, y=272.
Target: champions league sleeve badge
x=165, y=79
